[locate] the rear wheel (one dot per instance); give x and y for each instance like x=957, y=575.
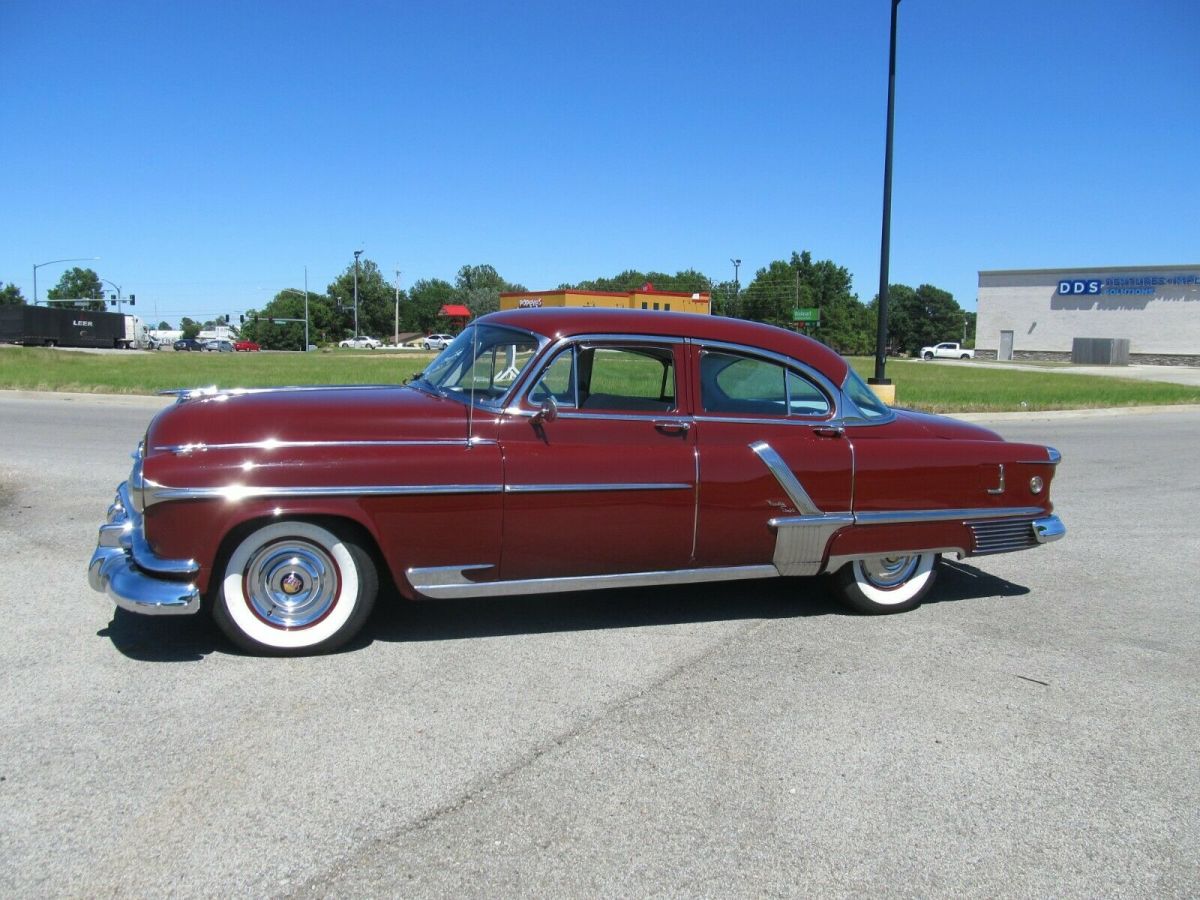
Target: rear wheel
x=293, y=588
x=965, y=356
x=886, y=584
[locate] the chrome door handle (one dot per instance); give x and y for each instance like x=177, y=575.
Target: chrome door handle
x=673, y=427
x=829, y=431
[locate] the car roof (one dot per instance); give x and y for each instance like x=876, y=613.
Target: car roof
x=569, y=321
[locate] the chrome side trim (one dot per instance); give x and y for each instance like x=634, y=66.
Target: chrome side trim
x=786, y=478
x=433, y=582
x=182, y=395
x=568, y=488
x=272, y=444
x=235, y=492
x=800, y=541
x=943, y=515
x=781, y=421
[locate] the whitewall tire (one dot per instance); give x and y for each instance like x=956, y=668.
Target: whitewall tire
x=292, y=588
x=886, y=584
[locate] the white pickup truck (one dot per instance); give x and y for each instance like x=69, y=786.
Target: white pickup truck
x=947, y=350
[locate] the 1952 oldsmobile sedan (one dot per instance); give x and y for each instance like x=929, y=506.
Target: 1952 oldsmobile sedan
x=557, y=450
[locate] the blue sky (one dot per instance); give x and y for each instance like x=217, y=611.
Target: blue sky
x=208, y=152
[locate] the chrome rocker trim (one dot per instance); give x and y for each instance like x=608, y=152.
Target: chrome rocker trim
x=450, y=582
x=125, y=568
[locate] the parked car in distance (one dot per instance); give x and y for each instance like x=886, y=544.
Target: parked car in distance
x=188, y=344
x=437, y=341
x=246, y=347
x=218, y=346
x=608, y=448
x=361, y=343
x=947, y=350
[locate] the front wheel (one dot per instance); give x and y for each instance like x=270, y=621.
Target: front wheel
x=886, y=584
x=928, y=355
x=293, y=588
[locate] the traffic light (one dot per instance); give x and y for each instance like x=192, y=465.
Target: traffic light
x=241, y=318
x=226, y=318
x=132, y=299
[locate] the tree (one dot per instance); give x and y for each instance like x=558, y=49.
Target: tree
x=801, y=283
x=376, y=301
x=922, y=317
x=10, y=295
x=425, y=300
x=189, y=328
x=479, y=287
x=164, y=325
x=687, y=281
x=79, y=284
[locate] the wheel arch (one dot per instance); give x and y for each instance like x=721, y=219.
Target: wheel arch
x=345, y=526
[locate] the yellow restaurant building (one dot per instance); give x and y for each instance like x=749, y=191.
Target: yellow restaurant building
x=646, y=298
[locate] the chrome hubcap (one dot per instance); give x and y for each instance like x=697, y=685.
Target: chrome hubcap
x=291, y=584
x=889, y=571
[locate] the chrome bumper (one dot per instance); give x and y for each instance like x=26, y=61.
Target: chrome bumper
x=137, y=579
x=1049, y=529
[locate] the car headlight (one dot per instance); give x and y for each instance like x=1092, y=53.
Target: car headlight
x=1036, y=484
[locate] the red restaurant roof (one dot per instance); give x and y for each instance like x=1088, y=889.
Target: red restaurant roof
x=455, y=311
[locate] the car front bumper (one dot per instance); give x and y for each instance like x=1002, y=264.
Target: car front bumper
x=137, y=579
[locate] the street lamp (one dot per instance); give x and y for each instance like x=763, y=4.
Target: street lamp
x=294, y=291
x=52, y=262
x=737, y=264
x=357, y=254
x=885, y=241
x=396, y=336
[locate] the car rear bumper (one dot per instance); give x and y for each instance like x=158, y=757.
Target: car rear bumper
x=125, y=568
x=1048, y=529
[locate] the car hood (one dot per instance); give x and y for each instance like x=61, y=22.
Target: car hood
x=321, y=414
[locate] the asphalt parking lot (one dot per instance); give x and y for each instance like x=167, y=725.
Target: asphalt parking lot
x=1031, y=731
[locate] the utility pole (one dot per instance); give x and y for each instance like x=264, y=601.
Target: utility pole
x=306, y=309
x=396, y=336
x=737, y=264
x=357, y=255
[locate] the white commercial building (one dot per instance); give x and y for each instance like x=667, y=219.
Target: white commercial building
x=1039, y=313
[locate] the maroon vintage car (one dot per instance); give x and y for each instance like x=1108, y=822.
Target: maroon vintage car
x=557, y=450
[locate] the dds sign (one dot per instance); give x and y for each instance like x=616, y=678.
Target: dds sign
x=1079, y=286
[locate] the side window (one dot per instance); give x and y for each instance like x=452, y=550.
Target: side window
x=749, y=386
x=805, y=398
x=558, y=381
x=742, y=384
x=635, y=379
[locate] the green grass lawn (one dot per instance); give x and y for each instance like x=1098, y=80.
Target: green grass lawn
x=968, y=388
x=918, y=385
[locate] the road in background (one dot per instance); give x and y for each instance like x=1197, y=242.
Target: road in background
x=1029, y=732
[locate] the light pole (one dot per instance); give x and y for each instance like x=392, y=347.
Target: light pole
x=737, y=264
x=297, y=293
x=52, y=262
x=357, y=254
x=885, y=240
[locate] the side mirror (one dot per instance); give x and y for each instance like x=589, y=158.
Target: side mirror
x=548, y=412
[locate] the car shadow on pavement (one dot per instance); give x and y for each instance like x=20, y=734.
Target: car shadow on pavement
x=960, y=581
x=191, y=638
x=164, y=638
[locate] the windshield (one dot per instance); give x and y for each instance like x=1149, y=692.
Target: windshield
x=864, y=398
x=483, y=361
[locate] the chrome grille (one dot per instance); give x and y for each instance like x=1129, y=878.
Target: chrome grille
x=1003, y=536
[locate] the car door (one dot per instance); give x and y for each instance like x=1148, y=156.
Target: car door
x=599, y=464
x=774, y=460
